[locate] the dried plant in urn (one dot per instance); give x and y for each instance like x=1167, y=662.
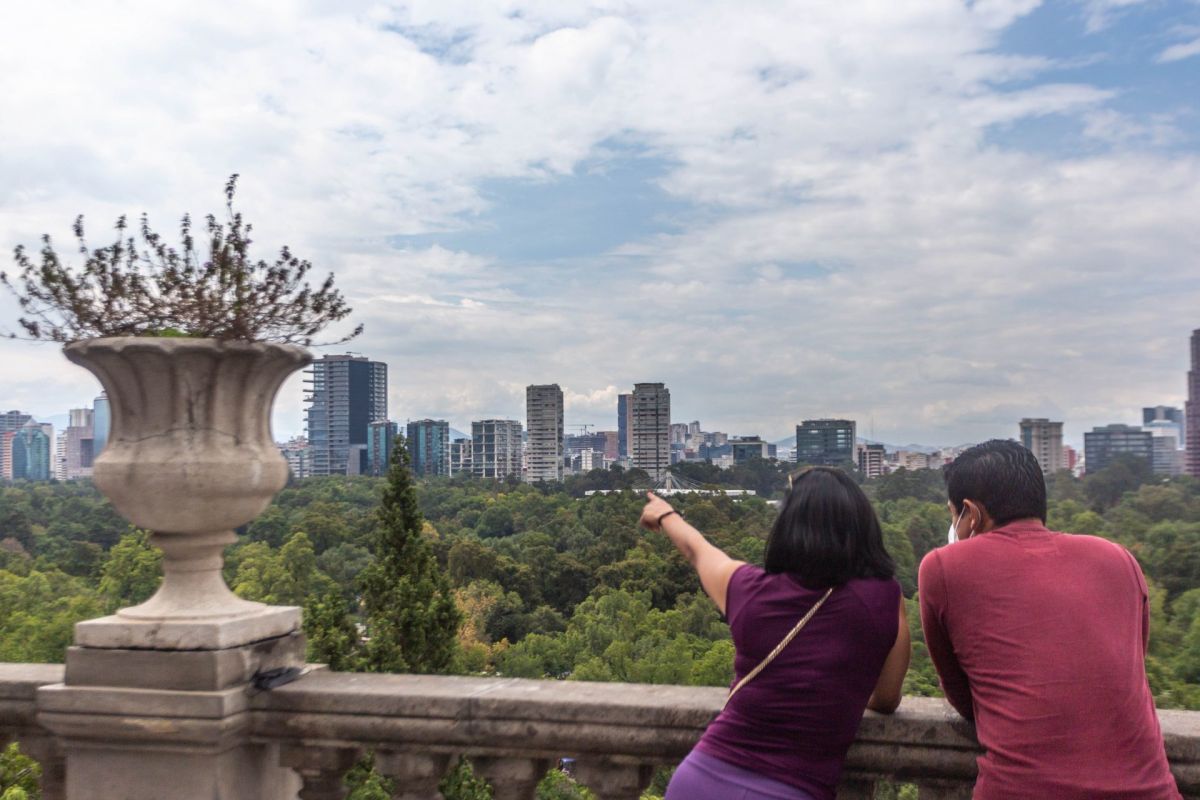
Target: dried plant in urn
x=191, y=344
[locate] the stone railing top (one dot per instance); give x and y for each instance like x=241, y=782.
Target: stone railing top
x=20, y=682
x=924, y=740
x=453, y=697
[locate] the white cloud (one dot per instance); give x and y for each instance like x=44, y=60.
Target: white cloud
x=1178, y=52
x=855, y=136
x=1099, y=14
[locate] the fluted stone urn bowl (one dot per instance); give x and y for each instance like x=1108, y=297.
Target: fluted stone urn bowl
x=190, y=457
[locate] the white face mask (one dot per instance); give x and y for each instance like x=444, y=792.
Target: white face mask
x=952, y=536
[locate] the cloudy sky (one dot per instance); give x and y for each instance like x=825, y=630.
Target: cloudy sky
x=933, y=216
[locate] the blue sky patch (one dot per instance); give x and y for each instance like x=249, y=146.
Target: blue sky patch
x=603, y=204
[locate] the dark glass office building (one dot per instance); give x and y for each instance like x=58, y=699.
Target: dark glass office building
x=1103, y=444
x=345, y=395
x=381, y=439
x=429, y=446
x=828, y=442
x=624, y=411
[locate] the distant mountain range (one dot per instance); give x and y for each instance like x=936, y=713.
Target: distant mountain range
x=790, y=442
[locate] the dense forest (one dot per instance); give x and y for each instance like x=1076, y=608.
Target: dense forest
x=551, y=582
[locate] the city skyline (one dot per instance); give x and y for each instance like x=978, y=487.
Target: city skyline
x=499, y=447
x=1073, y=430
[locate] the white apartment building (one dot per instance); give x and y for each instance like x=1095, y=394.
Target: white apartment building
x=544, y=421
x=651, y=428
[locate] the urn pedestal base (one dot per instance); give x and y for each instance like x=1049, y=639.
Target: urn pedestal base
x=211, y=633
x=140, y=724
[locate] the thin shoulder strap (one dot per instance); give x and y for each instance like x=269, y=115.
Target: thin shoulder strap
x=752, y=674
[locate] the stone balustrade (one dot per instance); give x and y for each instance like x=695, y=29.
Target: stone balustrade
x=513, y=731
x=19, y=684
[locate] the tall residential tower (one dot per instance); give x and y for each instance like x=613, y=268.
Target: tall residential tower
x=650, y=428
x=544, y=422
x=346, y=394
x=1045, y=440
x=496, y=448
x=1191, y=425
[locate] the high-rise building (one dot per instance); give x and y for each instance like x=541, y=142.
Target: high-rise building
x=101, y=422
x=10, y=422
x=544, y=422
x=612, y=445
x=381, y=439
x=80, y=450
x=588, y=460
x=29, y=453
x=1070, y=457
x=428, y=445
x=745, y=448
x=624, y=426
x=496, y=448
x=1044, y=439
x=1104, y=443
x=1191, y=422
x=60, y=456
x=6, y=454
x=1161, y=416
x=460, y=456
x=298, y=455
x=870, y=460
x=356, y=460
x=679, y=433
x=576, y=443
x=650, y=428
x=1166, y=459
x=828, y=442
x=346, y=394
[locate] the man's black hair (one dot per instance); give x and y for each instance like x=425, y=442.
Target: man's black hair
x=827, y=532
x=1002, y=476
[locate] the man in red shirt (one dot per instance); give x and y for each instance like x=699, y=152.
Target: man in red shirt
x=1040, y=638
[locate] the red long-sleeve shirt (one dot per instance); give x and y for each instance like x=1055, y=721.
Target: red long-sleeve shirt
x=1040, y=637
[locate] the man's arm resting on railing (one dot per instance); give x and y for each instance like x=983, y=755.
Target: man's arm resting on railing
x=932, y=593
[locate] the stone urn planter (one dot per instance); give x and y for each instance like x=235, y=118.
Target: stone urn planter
x=190, y=457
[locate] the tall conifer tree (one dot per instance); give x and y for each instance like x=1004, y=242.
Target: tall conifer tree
x=411, y=618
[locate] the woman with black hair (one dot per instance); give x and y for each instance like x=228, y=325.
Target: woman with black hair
x=820, y=635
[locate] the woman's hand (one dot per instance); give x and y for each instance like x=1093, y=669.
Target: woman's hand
x=655, y=508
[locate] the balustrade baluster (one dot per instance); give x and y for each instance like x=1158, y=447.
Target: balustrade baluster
x=321, y=769
x=416, y=775
x=46, y=751
x=614, y=781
